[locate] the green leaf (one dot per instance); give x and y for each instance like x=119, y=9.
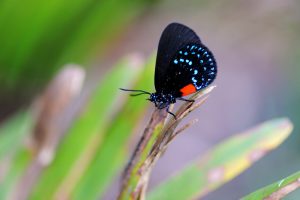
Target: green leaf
x=79, y=148
x=280, y=187
x=224, y=162
x=111, y=156
x=40, y=39
x=13, y=131
x=13, y=159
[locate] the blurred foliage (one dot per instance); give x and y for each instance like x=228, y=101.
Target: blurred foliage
x=12, y=135
x=13, y=131
x=37, y=37
x=98, y=137
x=279, y=188
x=224, y=162
x=95, y=148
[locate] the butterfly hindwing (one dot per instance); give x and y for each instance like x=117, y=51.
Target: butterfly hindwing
x=193, y=67
x=184, y=65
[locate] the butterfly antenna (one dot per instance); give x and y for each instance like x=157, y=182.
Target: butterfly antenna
x=133, y=95
x=141, y=91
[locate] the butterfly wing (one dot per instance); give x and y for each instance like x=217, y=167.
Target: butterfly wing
x=173, y=37
x=184, y=65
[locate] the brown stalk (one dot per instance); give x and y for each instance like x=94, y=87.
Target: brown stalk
x=137, y=173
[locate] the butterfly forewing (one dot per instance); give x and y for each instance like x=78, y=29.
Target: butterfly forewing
x=174, y=37
x=184, y=65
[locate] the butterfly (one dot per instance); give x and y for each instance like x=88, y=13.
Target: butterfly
x=184, y=65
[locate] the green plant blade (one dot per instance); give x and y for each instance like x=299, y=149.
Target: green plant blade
x=13, y=131
x=275, y=187
x=38, y=40
x=78, y=148
x=224, y=162
x=111, y=156
x=12, y=158
x=17, y=168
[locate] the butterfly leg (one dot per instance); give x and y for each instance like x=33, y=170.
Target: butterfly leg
x=168, y=111
x=183, y=99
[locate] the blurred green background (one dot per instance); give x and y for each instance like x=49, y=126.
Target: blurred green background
x=38, y=37
x=256, y=44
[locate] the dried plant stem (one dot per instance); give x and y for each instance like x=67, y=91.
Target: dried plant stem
x=157, y=135
x=140, y=154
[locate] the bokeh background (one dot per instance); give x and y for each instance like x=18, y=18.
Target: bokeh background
x=256, y=44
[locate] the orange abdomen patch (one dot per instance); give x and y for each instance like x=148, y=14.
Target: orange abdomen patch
x=188, y=89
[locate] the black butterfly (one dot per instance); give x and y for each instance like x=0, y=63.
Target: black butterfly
x=183, y=66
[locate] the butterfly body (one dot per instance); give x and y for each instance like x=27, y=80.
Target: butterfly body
x=162, y=100
x=184, y=65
